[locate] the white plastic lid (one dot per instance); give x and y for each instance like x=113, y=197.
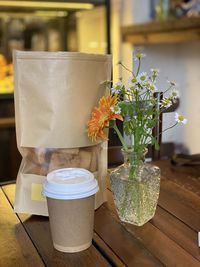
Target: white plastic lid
x=70, y=183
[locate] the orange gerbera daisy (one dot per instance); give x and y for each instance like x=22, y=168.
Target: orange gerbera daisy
x=101, y=117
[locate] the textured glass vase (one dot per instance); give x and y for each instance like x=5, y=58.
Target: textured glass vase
x=135, y=186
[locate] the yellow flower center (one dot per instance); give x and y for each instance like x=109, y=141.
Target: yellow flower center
x=134, y=80
x=142, y=78
x=181, y=118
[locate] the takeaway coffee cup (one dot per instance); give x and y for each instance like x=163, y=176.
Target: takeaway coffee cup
x=70, y=196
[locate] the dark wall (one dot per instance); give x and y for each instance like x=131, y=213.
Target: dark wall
x=9, y=156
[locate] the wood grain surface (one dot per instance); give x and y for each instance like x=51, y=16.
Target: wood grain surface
x=128, y=248
x=172, y=234
x=38, y=229
x=16, y=249
x=161, y=244
x=169, y=239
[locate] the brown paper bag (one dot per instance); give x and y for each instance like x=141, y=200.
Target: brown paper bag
x=55, y=93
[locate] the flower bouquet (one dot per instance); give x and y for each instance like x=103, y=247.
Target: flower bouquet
x=135, y=184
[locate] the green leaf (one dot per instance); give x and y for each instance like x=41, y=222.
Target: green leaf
x=111, y=123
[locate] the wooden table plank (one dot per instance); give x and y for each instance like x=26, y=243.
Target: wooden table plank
x=122, y=243
x=39, y=231
x=157, y=242
x=187, y=177
x=16, y=249
x=132, y=254
x=107, y=251
x=177, y=231
x=167, y=236
x=181, y=202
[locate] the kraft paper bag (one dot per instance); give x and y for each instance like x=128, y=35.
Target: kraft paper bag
x=55, y=93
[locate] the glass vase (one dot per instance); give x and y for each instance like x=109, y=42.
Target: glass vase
x=135, y=186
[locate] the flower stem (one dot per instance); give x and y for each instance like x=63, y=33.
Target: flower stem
x=120, y=137
x=165, y=130
x=138, y=69
x=169, y=127
x=120, y=63
x=167, y=89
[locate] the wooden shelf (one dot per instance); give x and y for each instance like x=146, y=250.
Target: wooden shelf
x=7, y=122
x=163, y=32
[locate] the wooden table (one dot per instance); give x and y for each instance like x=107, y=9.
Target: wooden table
x=169, y=239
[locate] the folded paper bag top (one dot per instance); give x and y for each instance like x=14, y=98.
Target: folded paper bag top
x=50, y=87
x=70, y=183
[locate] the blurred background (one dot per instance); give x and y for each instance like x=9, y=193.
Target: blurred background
x=43, y=26
x=168, y=32
x=53, y=26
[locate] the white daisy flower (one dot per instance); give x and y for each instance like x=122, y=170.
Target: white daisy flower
x=166, y=102
x=180, y=118
x=140, y=55
x=142, y=78
x=156, y=71
x=132, y=80
x=175, y=94
x=115, y=109
x=117, y=87
x=152, y=87
x=172, y=83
